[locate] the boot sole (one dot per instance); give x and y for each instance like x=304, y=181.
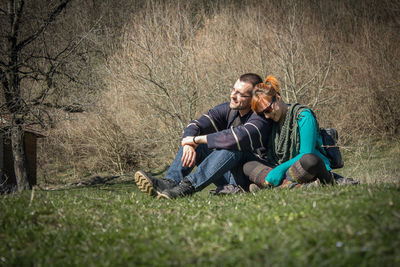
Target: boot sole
x=162, y=195
x=145, y=185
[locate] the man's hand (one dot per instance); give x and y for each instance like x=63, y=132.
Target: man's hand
x=189, y=155
x=188, y=140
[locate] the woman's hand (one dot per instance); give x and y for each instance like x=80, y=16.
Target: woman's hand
x=189, y=155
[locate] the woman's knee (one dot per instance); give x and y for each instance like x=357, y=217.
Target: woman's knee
x=311, y=162
x=256, y=171
x=248, y=167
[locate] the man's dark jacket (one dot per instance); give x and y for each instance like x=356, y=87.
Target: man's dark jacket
x=217, y=124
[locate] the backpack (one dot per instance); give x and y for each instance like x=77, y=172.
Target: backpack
x=331, y=149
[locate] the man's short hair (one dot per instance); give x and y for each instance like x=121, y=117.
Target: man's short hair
x=251, y=78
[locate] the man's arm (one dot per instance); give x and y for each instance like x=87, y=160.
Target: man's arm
x=248, y=137
x=213, y=121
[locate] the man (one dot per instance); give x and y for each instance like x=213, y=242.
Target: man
x=219, y=142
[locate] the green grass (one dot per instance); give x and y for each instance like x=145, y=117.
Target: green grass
x=372, y=161
x=118, y=225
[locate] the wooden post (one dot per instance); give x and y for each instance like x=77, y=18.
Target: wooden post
x=1, y=158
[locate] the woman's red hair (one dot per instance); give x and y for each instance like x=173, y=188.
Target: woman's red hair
x=264, y=92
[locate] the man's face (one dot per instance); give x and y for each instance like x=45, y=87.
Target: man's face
x=241, y=95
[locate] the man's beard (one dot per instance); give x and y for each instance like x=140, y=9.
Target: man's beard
x=237, y=107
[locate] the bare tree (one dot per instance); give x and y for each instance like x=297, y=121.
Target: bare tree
x=175, y=59
x=159, y=66
x=305, y=58
x=32, y=63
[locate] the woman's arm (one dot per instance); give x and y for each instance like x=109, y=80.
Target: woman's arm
x=308, y=138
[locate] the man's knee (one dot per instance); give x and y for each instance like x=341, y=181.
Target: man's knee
x=233, y=154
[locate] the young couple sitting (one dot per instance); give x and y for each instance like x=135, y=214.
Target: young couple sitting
x=254, y=141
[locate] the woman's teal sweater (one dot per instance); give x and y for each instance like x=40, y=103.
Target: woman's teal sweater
x=309, y=137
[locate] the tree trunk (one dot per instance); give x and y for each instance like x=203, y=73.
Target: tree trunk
x=18, y=149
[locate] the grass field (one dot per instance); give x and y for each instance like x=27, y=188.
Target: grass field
x=116, y=225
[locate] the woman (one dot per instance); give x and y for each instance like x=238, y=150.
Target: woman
x=294, y=154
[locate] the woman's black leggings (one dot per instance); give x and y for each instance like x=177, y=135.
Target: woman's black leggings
x=307, y=169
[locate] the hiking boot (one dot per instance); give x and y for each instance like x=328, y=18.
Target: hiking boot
x=150, y=185
x=346, y=181
x=253, y=188
x=314, y=184
x=184, y=188
x=227, y=189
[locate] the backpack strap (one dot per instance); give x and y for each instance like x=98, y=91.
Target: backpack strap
x=330, y=148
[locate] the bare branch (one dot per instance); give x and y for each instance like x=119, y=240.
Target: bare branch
x=309, y=81
x=151, y=79
x=46, y=23
x=15, y=20
x=3, y=64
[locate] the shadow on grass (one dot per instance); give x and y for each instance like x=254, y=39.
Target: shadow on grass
x=91, y=182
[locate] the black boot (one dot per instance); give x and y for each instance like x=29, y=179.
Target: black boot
x=184, y=188
x=150, y=185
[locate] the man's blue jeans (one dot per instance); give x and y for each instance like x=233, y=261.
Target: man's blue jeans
x=220, y=167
